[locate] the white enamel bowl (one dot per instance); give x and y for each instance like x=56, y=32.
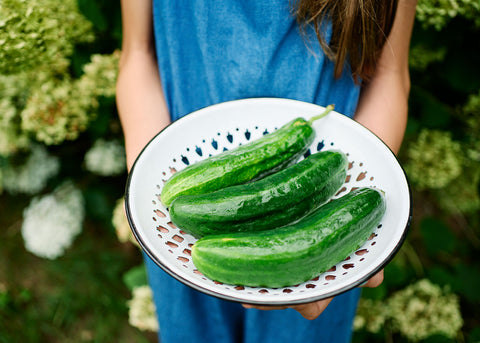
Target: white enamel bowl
x=224, y=126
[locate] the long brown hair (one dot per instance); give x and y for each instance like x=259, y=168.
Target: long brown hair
x=359, y=30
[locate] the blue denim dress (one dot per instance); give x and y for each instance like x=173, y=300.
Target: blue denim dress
x=215, y=51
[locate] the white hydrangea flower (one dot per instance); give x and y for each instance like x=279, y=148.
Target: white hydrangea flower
x=100, y=75
x=424, y=309
x=371, y=315
x=142, y=309
x=434, y=159
x=31, y=177
x=51, y=222
x=120, y=223
x=106, y=158
x=38, y=33
x=55, y=111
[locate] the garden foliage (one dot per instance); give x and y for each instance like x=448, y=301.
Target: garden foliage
x=62, y=176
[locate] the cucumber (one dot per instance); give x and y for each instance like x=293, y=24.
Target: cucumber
x=294, y=253
x=273, y=201
x=250, y=161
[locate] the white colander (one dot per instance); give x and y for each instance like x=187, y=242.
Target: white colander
x=224, y=126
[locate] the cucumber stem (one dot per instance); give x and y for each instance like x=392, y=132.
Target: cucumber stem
x=328, y=109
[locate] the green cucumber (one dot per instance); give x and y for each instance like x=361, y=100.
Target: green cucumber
x=273, y=201
x=247, y=162
x=294, y=253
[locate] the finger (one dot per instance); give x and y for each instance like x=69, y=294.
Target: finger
x=311, y=311
x=375, y=280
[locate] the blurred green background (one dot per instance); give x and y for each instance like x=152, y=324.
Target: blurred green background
x=69, y=271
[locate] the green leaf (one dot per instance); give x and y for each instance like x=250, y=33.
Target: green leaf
x=474, y=336
x=468, y=281
x=5, y=299
x=377, y=293
x=97, y=204
x=438, y=339
x=430, y=111
x=92, y=11
x=396, y=274
x=437, y=236
x=413, y=126
x=136, y=277
x=441, y=276
x=463, y=279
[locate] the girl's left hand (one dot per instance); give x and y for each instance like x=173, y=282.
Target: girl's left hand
x=312, y=310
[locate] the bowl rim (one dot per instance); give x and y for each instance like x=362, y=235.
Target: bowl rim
x=270, y=302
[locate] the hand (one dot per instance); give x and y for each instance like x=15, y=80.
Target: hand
x=312, y=310
x=309, y=311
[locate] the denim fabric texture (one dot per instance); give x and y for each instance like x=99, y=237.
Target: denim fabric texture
x=210, y=52
x=186, y=315
x=214, y=51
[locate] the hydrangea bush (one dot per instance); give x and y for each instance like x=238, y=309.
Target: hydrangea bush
x=438, y=13
x=424, y=309
x=61, y=150
x=418, y=311
x=39, y=33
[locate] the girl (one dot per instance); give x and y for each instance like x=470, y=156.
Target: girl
x=179, y=56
